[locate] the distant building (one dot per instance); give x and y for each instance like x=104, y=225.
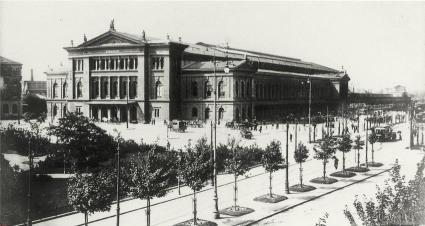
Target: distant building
x=34, y=94
x=397, y=91
x=118, y=76
x=10, y=76
x=34, y=87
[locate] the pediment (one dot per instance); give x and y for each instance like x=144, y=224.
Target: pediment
x=111, y=38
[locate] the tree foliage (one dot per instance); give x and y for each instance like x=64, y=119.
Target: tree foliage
x=196, y=165
x=87, y=143
x=325, y=149
x=149, y=175
x=344, y=143
x=238, y=161
x=301, y=153
x=91, y=193
x=398, y=203
x=272, y=159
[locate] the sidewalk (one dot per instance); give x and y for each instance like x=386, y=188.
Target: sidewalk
x=173, y=208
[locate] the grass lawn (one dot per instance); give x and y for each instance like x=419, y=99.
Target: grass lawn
x=48, y=199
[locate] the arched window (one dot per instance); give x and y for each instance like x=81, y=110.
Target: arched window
x=14, y=109
x=114, y=91
x=220, y=114
x=194, y=89
x=237, y=89
x=221, y=92
x=65, y=90
x=158, y=89
x=55, y=110
x=5, y=108
x=79, y=89
x=207, y=113
x=194, y=112
x=55, y=90
x=242, y=89
x=207, y=89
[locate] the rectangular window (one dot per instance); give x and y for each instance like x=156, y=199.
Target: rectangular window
x=78, y=109
x=156, y=112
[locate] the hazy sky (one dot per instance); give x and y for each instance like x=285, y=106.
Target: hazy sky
x=380, y=44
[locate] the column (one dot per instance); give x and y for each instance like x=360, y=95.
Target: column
x=119, y=113
x=118, y=87
x=99, y=113
x=90, y=111
x=109, y=114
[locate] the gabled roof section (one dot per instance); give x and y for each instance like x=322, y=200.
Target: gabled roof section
x=112, y=37
x=4, y=60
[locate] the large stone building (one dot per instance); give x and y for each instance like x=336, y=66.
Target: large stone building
x=118, y=76
x=10, y=88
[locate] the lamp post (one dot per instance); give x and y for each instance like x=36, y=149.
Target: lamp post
x=287, y=165
x=118, y=183
x=215, y=212
x=29, y=222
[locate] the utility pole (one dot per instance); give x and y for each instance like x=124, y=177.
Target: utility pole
x=118, y=183
x=411, y=124
x=309, y=110
x=29, y=222
x=367, y=141
x=216, y=212
x=126, y=105
x=287, y=161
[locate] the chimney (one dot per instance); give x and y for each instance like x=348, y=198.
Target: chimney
x=168, y=37
x=180, y=39
x=32, y=75
x=72, y=43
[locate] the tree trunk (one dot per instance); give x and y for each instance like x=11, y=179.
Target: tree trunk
x=270, y=184
x=235, y=195
x=324, y=169
x=301, y=175
x=358, y=158
x=86, y=218
x=195, y=219
x=148, y=212
x=343, y=162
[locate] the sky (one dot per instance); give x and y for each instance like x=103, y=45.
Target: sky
x=380, y=44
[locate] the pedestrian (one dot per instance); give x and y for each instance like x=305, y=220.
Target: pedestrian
x=261, y=128
x=335, y=162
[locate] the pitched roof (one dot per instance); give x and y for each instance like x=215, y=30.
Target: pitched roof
x=4, y=60
x=209, y=65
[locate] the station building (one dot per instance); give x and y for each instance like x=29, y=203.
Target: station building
x=10, y=88
x=118, y=76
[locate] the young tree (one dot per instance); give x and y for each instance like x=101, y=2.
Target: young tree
x=324, y=151
x=90, y=193
x=237, y=164
x=358, y=145
x=373, y=139
x=272, y=161
x=196, y=169
x=344, y=146
x=300, y=155
x=150, y=174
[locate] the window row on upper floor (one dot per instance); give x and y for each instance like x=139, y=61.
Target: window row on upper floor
x=114, y=63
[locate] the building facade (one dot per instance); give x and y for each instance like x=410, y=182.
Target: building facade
x=118, y=77
x=10, y=86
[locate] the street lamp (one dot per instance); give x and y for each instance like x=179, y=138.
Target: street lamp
x=29, y=222
x=216, y=212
